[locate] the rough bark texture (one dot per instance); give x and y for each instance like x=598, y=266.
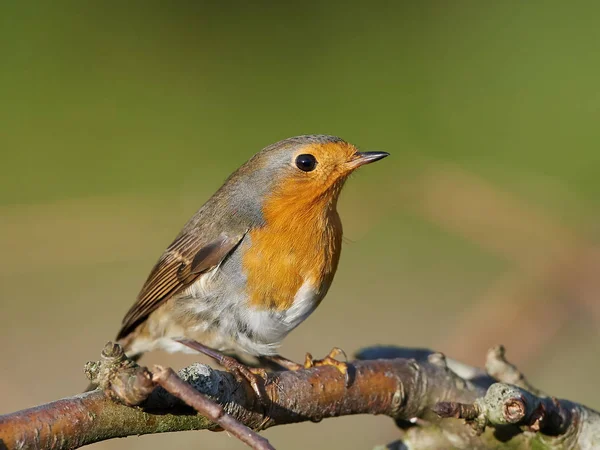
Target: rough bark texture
x=406, y=389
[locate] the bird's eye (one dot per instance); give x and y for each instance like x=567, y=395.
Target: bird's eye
x=306, y=162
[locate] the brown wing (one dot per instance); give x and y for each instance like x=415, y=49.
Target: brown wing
x=181, y=264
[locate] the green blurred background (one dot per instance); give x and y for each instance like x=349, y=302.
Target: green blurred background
x=117, y=121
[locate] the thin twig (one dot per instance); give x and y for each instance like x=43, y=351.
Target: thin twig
x=169, y=380
x=499, y=367
x=457, y=410
x=507, y=404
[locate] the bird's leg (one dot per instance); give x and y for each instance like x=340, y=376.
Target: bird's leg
x=280, y=361
x=255, y=376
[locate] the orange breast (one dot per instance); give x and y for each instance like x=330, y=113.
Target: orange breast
x=301, y=241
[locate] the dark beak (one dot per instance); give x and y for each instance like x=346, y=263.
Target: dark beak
x=362, y=158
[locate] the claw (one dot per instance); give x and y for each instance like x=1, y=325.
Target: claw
x=330, y=360
x=255, y=376
x=309, y=362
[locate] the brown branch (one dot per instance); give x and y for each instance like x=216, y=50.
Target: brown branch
x=509, y=408
x=405, y=389
x=514, y=401
x=125, y=382
x=169, y=380
x=505, y=404
x=457, y=410
x=399, y=388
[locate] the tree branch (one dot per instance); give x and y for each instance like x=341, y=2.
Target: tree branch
x=398, y=388
x=211, y=410
x=401, y=388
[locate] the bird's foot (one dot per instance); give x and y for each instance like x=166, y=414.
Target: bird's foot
x=329, y=360
x=256, y=377
x=309, y=362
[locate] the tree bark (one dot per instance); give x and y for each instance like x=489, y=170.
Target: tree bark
x=413, y=389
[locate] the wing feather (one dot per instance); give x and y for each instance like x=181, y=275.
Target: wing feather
x=187, y=258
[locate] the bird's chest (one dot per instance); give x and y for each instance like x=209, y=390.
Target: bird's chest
x=291, y=263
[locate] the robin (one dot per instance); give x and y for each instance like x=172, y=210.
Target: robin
x=254, y=262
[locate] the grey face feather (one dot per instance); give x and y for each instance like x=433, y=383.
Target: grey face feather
x=239, y=201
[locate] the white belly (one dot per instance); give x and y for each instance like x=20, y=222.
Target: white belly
x=269, y=328
x=226, y=323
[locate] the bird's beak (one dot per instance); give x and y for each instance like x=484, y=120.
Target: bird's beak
x=362, y=158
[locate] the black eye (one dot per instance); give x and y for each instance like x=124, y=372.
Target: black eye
x=306, y=162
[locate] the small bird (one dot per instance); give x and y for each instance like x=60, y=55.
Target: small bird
x=254, y=261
